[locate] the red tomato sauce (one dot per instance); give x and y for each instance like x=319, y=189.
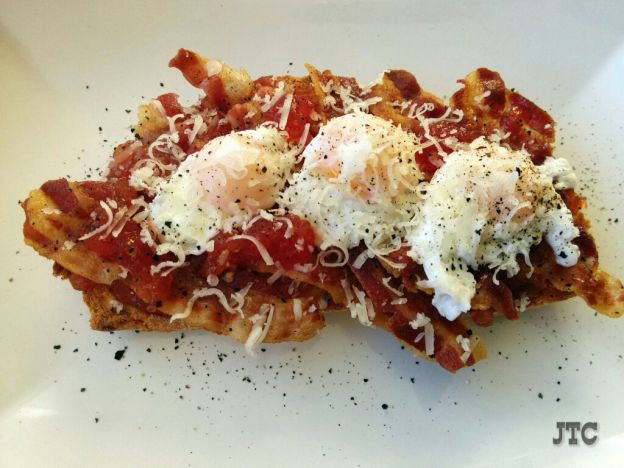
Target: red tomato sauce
x=230, y=254
x=127, y=249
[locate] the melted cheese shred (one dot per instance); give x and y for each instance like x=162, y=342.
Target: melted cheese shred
x=262, y=322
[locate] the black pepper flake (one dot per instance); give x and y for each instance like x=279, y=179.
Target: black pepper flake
x=384, y=406
x=540, y=395
x=83, y=389
x=57, y=346
x=119, y=354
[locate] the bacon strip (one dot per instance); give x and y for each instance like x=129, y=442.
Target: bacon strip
x=396, y=319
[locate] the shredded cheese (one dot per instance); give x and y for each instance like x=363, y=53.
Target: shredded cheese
x=116, y=306
x=297, y=309
x=289, y=226
x=51, y=211
x=342, y=257
x=285, y=111
x=264, y=253
x=386, y=282
x=361, y=259
x=169, y=265
x=205, y=292
x=277, y=95
x=103, y=227
x=198, y=122
x=362, y=309
x=275, y=276
x=422, y=321
x=260, y=328
x=466, y=347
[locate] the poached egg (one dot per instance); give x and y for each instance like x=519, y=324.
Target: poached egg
x=484, y=207
x=230, y=179
x=358, y=183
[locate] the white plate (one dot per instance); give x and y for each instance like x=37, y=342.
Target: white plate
x=202, y=401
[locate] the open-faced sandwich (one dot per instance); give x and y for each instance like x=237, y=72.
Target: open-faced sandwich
x=275, y=201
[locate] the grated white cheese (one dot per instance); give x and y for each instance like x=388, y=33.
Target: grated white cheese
x=289, y=226
x=297, y=309
x=198, y=122
x=362, y=309
x=205, y=292
x=466, y=347
x=386, y=282
x=116, y=306
x=264, y=253
x=292, y=287
x=103, y=227
x=285, y=111
x=146, y=235
x=239, y=298
x=260, y=328
x=422, y=321
x=168, y=266
x=341, y=259
x=522, y=302
x=275, y=276
x=277, y=95
x=479, y=99
x=51, y=211
x=361, y=259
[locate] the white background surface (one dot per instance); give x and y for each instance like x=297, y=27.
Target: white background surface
x=185, y=407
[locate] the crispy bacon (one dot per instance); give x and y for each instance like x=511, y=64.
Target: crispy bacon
x=501, y=295
x=396, y=319
x=488, y=104
x=62, y=195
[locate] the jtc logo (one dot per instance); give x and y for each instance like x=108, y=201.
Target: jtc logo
x=575, y=428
